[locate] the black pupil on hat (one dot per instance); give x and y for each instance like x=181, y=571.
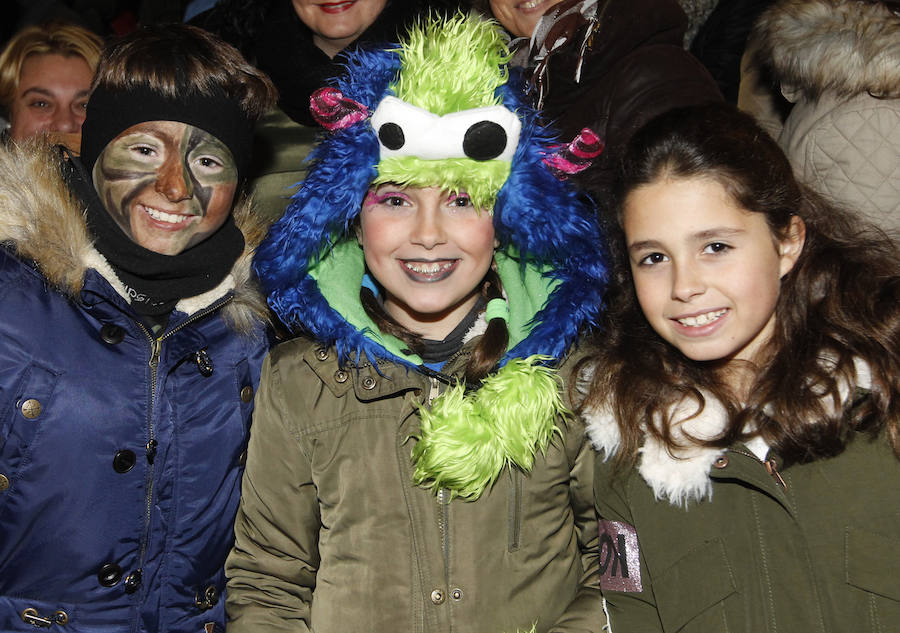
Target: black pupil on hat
x=484, y=140
x=391, y=136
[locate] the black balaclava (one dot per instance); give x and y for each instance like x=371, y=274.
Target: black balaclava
x=157, y=282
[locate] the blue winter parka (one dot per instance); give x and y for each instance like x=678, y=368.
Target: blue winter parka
x=121, y=452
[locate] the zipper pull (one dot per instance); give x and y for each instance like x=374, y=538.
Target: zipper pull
x=434, y=390
x=154, y=352
x=151, y=450
x=772, y=469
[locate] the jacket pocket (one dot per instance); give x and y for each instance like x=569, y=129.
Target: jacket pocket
x=21, y=420
x=690, y=594
x=871, y=562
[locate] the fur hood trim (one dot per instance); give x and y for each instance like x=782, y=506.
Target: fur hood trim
x=683, y=477
x=41, y=221
x=838, y=46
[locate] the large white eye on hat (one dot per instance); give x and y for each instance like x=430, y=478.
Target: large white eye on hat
x=490, y=133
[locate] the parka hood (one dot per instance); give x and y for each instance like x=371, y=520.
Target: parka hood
x=837, y=46
x=549, y=257
x=42, y=221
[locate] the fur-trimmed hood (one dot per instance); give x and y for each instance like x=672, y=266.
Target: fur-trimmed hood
x=42, y=221
x=683, y=478
x=836, y=46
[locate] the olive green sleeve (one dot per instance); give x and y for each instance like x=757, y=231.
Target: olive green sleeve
x=585, y=613
x=272, y=568
x=629, y=610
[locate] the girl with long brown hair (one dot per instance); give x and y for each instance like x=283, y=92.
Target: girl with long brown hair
x=744, y=396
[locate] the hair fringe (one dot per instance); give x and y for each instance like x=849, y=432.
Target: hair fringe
x=52, y=38
x=174, y=59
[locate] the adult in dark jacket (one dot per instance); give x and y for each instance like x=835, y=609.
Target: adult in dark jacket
x=610, y=65
x=298, y=44
x=132, y=338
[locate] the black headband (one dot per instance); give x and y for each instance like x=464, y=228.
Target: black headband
x=111, y=112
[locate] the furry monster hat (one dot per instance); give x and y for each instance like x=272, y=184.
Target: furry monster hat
x=443, y=109
x=540, y=221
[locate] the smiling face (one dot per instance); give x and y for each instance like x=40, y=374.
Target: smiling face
x=337, y=23
x=168, y=185
x=51, y=97
x=429, y=250
x=519, y=17
x=707, y=272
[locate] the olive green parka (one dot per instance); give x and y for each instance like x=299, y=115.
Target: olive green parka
x=329, y=508
x=333, y=534
x=720, y=541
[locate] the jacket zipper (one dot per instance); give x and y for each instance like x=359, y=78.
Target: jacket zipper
x=153, y=362
x=442, y=500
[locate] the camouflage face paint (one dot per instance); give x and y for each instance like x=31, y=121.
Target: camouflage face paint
x=168, y=185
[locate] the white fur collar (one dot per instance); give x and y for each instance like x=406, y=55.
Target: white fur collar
x=682, y=478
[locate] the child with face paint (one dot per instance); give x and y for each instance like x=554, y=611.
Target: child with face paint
x=413, y=466
x=133, y=336
x=744, y=397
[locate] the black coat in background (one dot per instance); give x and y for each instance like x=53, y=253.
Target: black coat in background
x=634, y=68
x=272, y=36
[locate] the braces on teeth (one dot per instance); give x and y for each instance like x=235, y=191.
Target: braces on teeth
x=428, y=269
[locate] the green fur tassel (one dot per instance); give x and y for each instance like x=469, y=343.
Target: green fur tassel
x=467, y=440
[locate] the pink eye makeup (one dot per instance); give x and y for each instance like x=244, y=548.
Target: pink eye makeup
x=381, y=197
x=460, y=198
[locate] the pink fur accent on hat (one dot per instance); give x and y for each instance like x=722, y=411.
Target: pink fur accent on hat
x=334, y=112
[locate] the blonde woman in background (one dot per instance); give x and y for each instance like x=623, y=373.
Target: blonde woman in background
x=45, y=79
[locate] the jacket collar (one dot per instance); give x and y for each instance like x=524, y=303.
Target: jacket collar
x=43, y=222
x=683, y=477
